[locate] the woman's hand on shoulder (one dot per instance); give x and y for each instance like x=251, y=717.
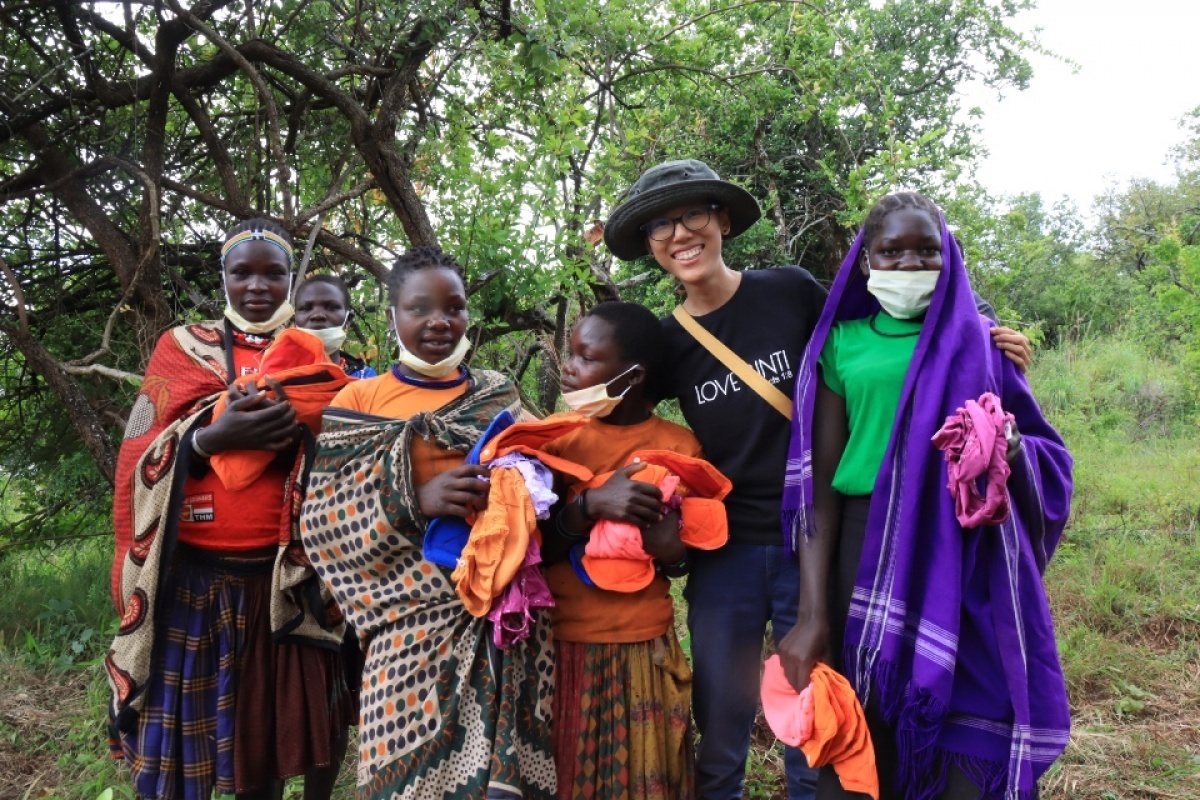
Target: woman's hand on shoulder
x=623, y=499
x=253, y=419
x=1016, y=346
x=457, y=492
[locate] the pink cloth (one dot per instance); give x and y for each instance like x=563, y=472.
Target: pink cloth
x=511, y=614
x=790, y=715
x=976, y=446
x=621, y=539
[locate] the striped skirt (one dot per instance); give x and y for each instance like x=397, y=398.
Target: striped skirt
x=622, y=721
x=226, y=706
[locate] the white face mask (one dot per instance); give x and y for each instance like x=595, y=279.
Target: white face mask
x=594, y=401
x=439, y=370
x=277, y=320
x=903, y=293
x=333, y=338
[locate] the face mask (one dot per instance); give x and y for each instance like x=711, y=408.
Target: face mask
x=594, y=401
x=332, y=337
x=439, y=370
x=277, y=320
x=904, y=294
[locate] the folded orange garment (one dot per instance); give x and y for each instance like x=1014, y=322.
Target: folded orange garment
x=530, y=436
x=500, y=533
x=298, y=362
x=499, y=538
x=614, y=557
x=825, y=721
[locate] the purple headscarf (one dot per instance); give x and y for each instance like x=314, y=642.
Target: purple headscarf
x=949, y=628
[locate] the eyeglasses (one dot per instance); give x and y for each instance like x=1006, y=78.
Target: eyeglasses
x=662, y=228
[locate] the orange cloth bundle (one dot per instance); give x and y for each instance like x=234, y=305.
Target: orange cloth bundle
x=825, y=721
x=298, y=362
x=500, y=533
x=614, y=557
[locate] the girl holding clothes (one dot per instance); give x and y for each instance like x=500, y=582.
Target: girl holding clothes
x=930, y=603
x=225, y=670
x=681, y=212
x=622, y=702
x=444, y=712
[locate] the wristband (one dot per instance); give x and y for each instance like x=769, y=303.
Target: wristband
x=677, y=570
x=581, y=504
x=565, y=532
x=197, y=449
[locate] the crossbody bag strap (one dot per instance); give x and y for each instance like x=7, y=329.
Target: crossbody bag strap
x=737, y=365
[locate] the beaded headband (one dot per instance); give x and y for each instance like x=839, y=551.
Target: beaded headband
x=257, y=234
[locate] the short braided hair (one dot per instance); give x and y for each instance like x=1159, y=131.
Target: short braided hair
x=894, y=202
x=416, y=259
x=639, y=337
x=330, y=279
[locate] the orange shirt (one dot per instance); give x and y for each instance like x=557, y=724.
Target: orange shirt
x=585, y=613
x=214, y=518
x=388, y=396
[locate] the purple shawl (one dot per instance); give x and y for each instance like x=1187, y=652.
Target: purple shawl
x=949, y=628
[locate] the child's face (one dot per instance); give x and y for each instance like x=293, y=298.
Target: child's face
x=319, y=306
x=430, y=313
x=908, y=239
x=595, y=358
x=257, y=279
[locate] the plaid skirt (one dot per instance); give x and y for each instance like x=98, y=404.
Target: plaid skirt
x=226, y=706
x=622, y=721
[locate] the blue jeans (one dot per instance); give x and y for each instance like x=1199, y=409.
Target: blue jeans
x=732, y=593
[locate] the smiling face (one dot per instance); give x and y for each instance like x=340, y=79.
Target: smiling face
x=691, y=256
x=596, y=358
x=257, y=279
x=430, y=314
x=908, y=239
x=320, y=305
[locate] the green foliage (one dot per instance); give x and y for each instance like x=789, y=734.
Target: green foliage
x=60, y=612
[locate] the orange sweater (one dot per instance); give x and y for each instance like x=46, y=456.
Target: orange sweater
x=215, y=518
x=388, y=396
x=588, y=614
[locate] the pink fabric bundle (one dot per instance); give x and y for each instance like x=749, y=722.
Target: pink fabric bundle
x=790, y=715
x=511, y=613
x=611, y=539
x=975, y=445
x=825, y=721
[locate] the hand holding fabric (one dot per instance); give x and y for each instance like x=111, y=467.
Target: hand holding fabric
x=458, y=492
x=804, y=646
x=253, y=419
x=623, y=499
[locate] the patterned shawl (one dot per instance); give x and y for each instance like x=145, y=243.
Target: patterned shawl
x=186, y=375
x=444, y=712
x=936, y=606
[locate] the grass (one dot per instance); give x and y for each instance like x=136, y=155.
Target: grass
x=1124, y=587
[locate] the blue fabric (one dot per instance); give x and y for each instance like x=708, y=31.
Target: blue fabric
x=445, y=537
x=732, y=593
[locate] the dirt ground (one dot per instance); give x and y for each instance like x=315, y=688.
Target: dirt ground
x=1122, y=747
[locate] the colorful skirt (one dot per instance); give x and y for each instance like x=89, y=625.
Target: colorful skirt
x=622, y=721
x=226, y=706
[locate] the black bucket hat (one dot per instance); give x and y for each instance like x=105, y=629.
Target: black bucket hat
x=669, y=184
